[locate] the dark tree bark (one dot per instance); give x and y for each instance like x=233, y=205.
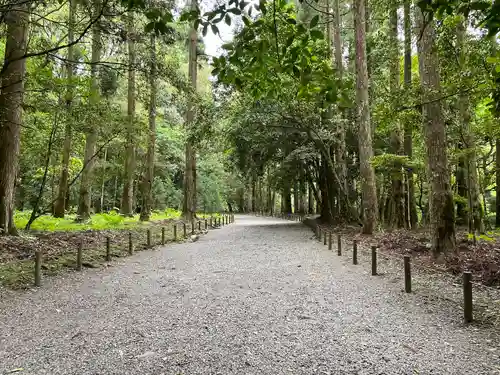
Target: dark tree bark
x=367, y=172
x=475, y=209
x=189, y=205
x=128, y=185
x=396, y=218
x=147, y=181
x=441, y=207
x=84, y=202
x=16, y=21
x=60, y=203
x=310, y=199
x=411, y=209
x=497, y=176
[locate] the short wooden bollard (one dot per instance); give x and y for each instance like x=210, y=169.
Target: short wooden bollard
x=175, y=232
x=206, y=224
x=108, y=249
x=211, y=226
x=163, y=235
x=324, y=239
x=38, y=268
x=330, y=241
x=339, y=245
x=79, y=256
x=221, y=220
x=374, y=260
x=199, y=225
x=130, y=244
x=407, y=259
x=354, y=252
x=467, y=297
x=184, y=228
x=148, y=238
x=220, y=225
x=193, y=227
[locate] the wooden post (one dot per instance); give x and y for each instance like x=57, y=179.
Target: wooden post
x=38, y=268
x=79, y=256
x=355, y=252
x=211, y=226
x=339, y=244
x=175, y=232
x=407, y=259
x=330, y=241
x=199, y=225
x=206, y=224
x=130, y=244
x=467, y=297
x=220, y=225
x=221, y=220
x=148, y=238
x=193, y=227
x=108, y=249
x=324, y=239
x=374, y=260
x=184, y=229
x=163, y=235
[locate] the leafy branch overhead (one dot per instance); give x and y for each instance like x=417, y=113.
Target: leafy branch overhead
x=276, y=48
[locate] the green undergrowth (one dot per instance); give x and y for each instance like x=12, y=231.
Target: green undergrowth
x=104, y=221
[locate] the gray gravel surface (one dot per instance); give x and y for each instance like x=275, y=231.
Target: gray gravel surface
x=256, y=297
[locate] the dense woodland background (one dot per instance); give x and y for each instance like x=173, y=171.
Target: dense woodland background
x=381, y=114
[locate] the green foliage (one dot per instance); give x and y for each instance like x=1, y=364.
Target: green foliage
x=104, y=221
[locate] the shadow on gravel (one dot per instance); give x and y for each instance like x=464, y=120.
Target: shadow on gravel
x=275, y=226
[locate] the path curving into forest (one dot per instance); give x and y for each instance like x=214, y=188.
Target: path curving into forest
x=256, y=297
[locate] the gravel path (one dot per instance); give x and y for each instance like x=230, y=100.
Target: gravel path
x=256, y=297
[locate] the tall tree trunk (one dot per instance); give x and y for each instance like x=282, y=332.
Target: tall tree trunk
x=189, y=206
x=84, y=201
x=254, y=193
x=340, y=150
x=287, y=199
x=441, y=207
x=147, y=182
x=12, y=75
x=475, y=208
x=310, y=198
x=411, y=208
x=397, y=211
x=60, y=203
x=103, y=183
x=296, y=197
x=367, y=173
x=497, y=177
x=128, y=185
x=461, y=188
x=302, y=192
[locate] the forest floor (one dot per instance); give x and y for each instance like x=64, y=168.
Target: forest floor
x=260, y=296
x=59, y=239
x=482, y=258
x=443, y=278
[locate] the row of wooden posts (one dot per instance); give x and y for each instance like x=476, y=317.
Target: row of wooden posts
x=326, y=236
x=212, y=222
